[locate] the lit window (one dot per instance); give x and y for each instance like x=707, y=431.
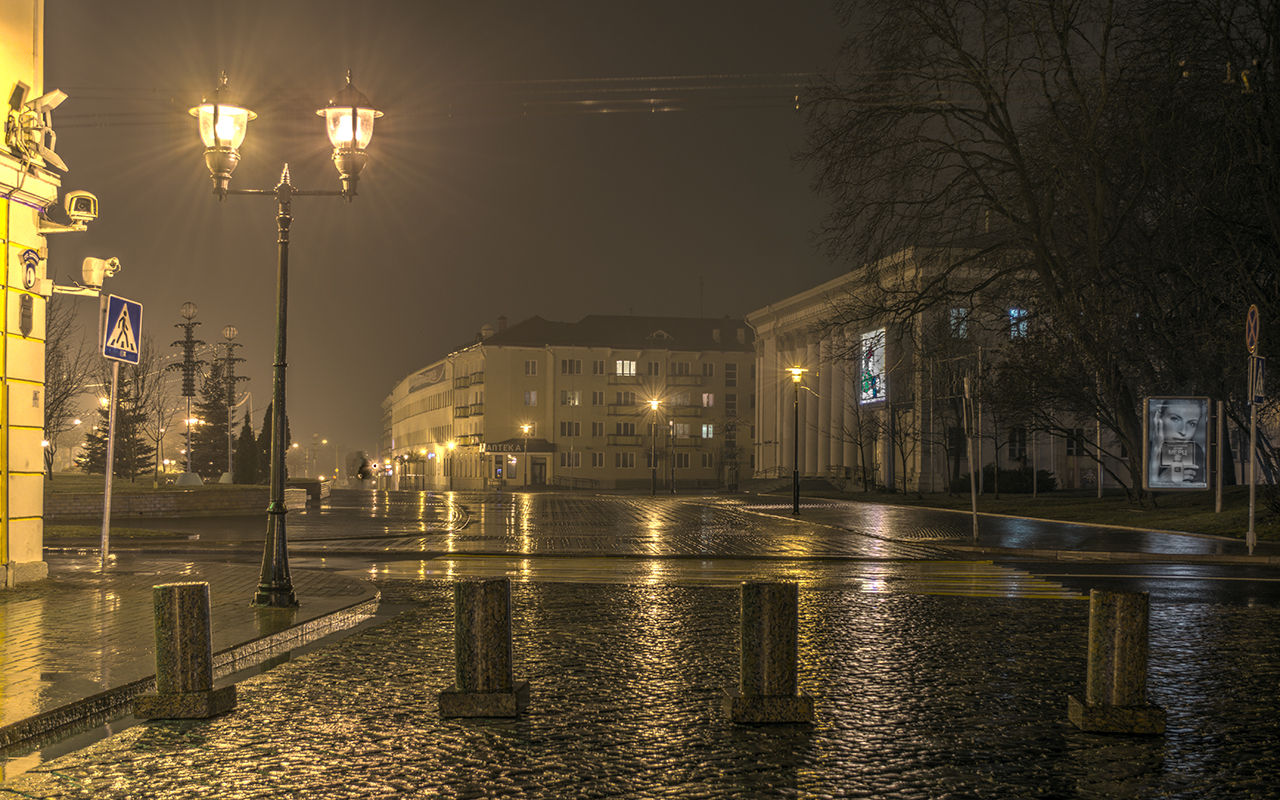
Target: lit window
x=708, y=400
x=708, y=430
x=531, y=396
x=627, y=368
x=1018, y=323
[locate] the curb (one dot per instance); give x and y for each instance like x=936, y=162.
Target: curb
x=1119, y=557
x=80, y=715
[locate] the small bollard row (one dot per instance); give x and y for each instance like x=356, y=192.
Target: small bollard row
x=184, y=657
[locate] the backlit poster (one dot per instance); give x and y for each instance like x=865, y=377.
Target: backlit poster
x=1177, y=435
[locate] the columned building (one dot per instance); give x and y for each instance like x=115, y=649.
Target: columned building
x=617, y=402
x=881, y=402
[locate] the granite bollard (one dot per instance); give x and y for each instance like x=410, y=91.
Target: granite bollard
x=483, y=686
x=769, y=633
x=1115, y=698
x=184, y=657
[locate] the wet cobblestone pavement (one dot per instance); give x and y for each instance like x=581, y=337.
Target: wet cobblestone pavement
x=916, y=697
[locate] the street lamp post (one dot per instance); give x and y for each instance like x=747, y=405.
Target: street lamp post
x=653, y=449
x=229, y=333
x=796, y=374
x=524, y=431
x=222, y=124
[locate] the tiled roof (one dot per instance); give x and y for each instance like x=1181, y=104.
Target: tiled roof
x=629, y=332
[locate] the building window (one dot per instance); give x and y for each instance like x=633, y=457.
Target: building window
x=597, y=398
x=708, y=369
x=682, y=460
x=570, y=366
x=597, y=368
x=730, y=375
x=568, y=428
x=597, y=429
x=531, y=395
x=958, y=319
x=708, y=430
x=1018, y=323
x=707, y=461
x=625, y=398
x=624, y=460
x=871, y=371
x=708, y=400
x=624, y=428
x=570, y=397
x=1075, y=442
x=626, y=368
x=731, y=405
x=531, y=368
x=573, y=459
x=1018, y=443
x=682, y=429
x=680, y=399
x=680, y=368
x=654, y=368
x=597, y=459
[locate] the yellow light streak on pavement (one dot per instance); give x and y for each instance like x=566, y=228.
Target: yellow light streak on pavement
x=946, y=578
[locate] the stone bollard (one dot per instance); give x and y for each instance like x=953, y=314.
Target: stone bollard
x=184, y=657
x=1115, y=698
x=770, y=623
x=482, y=648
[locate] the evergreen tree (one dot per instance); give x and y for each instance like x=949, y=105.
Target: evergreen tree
x=133, y=453
x=209, y=437
x=264, y=446
x=247, y=458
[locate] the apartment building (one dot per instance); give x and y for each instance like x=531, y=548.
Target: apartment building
x=608, y=402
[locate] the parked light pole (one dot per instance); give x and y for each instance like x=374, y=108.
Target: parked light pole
x=797, y=373
x=653, y=449
x=524, y=431
x=222, y=124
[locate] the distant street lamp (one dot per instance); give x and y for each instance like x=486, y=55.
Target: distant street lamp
x=349, y=120
x=524, y=431
x=796, y=374
x=653, y=449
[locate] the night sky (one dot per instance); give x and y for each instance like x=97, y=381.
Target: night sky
x=551, y=158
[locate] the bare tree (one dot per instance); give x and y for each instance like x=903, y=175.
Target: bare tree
x=68, y=365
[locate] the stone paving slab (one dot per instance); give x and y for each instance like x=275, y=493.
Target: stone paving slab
x=83, y=642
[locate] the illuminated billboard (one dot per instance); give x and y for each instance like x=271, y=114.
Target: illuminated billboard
x=873, y=388
x=1176, y=431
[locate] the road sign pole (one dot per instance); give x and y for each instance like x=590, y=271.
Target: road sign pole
x=1217, y=499
x=1251, y=537
x=104, y=544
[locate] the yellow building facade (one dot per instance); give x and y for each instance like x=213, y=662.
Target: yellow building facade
x=26, y=187
x=608, y=402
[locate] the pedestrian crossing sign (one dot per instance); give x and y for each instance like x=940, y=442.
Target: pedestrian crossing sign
x=122, y=326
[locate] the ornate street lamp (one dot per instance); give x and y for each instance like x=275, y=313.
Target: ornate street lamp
x=222, y=124
x=796, y=374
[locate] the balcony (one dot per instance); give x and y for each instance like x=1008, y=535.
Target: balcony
x=477, y=409
x=687, y=441
x=684, y=380
x=624, y=380
x=681, y=412
x=477, y=377
x=624, y=440
x=461, y=411
x=461, y=382
x=624, y=410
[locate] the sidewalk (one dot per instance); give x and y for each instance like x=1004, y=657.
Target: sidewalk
x=1025, y=537
x=77, y=648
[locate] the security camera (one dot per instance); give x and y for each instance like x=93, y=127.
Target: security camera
x=81, y=206
x=95, y=270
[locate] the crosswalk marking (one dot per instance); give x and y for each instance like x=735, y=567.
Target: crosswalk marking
x=942, y=578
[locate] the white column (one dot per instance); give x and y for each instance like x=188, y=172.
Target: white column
x=823, y=422
x=809, y=416
x=838, y=397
